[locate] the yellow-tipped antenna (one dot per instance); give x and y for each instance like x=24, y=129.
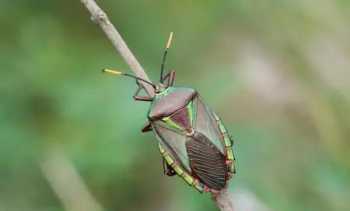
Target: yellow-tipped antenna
x=116, y=72
x=164, y=56
x=169, y=40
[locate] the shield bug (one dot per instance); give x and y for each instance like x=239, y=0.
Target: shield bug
x=192, y=139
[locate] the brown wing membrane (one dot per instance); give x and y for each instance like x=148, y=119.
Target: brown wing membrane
x=206, y=161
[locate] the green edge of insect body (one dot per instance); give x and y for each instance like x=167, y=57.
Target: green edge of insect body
x=228, y=144
x=180, y=171
x=190, y=180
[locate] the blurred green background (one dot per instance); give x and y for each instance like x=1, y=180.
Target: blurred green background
x=277, y=72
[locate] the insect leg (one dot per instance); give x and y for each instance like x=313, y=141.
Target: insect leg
x=168, y=170
x=147, y=127
x=140, y=98
x=171, y=78
x=167, y=162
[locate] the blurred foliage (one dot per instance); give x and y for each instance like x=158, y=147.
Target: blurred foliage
x=277, y=72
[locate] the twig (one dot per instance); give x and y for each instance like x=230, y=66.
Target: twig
x=222, y=199
x=67, y=183
x=101, y=18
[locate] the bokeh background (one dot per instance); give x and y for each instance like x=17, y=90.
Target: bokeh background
x=277, y=72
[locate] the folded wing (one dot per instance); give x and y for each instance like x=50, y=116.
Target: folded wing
x=206, y=161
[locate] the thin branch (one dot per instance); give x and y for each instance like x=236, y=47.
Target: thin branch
x=101, y=18
x=67, y=183
x=222, y=199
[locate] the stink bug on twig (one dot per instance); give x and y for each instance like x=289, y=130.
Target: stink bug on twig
x=193, y=141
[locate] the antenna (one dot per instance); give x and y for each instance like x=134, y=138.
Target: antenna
x=115, y=72
x=164, y=56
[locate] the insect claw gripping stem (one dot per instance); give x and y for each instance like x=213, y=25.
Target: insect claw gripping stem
x=137, y=97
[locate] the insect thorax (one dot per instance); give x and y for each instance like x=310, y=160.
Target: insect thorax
x=169, y=101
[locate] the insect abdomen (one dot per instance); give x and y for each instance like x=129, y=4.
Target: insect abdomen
x=206, y=161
